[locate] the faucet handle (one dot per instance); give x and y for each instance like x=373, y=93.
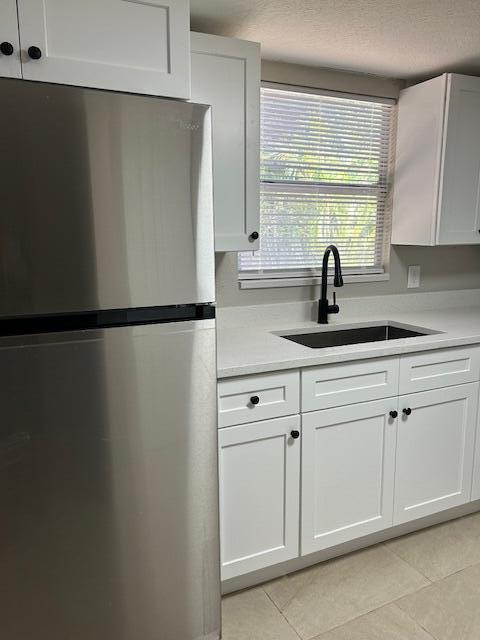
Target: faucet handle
x=334, y=308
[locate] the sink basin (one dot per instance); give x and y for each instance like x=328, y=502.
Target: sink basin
x=355, y=335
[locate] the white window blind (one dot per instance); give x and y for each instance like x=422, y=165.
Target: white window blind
x=324, y=179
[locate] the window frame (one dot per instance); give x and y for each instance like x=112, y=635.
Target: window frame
x=266, y=278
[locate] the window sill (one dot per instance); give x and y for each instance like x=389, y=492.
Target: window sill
x=270, y=283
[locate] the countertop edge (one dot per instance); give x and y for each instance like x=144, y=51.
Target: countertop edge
x=385, y=350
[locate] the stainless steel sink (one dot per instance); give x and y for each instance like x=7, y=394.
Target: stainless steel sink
x=355, y=335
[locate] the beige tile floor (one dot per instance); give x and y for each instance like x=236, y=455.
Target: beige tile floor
x=422, y=586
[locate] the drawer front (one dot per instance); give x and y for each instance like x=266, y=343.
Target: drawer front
x=440, y=368
x=278, y=394
x=349, y=382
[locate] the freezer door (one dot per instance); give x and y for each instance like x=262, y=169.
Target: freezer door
x=106, y=200
x=108, y=485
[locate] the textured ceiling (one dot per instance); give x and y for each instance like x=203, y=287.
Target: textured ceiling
x=404, y=39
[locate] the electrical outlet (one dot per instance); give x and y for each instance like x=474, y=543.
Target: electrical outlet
x=413, y=276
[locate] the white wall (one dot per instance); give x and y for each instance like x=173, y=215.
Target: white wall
x=442, y=268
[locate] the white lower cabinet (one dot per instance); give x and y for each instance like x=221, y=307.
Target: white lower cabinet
x=259, y=469
x=348, y=464
x=364, y=467
x=434, y=458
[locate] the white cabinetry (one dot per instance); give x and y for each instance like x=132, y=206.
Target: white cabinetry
x=226, y=75
x=476, y=465
x=259, y=397
x=437, y=172
x=439, y=368
x=10, y=65
x=334, y=385
x=368, y=461
x=125, y=45
x=259, y=466
x=434, y=459
x=348, y=465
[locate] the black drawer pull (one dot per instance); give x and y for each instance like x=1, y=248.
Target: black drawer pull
x=254, y=400
x=6, y=48
x=35, y=53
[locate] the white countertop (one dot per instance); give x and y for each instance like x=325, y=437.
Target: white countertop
x=247, y=344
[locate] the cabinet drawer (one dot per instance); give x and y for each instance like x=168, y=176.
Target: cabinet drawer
x=440, y=368
x=349, y=382
x=260, y=397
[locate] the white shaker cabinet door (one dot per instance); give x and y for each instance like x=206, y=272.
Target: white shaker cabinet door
x=10, y=65
x=124, y=45
x=459, y=221
x=226, y=75
x=259, y=471
x=434, y=459
x=476, y=465
x=348, y=463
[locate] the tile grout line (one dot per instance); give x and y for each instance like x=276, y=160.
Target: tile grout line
x=282, y=614
x=432, y=584
x=382, y=544
x=411, y=566
x=430, y=635
x=433, y=581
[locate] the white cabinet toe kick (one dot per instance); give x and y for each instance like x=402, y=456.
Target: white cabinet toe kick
x=325, y=459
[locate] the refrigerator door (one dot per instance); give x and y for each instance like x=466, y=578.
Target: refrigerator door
x=106, y=200
x=108, y=485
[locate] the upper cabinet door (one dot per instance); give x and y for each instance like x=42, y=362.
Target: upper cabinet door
x=226, y=75
x=460, y=194
x=124, y=45
x=10, y=65
x=437, y=170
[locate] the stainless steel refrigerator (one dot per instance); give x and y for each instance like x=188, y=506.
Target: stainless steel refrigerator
x=108, y=466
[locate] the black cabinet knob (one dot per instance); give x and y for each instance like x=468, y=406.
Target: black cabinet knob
x=253, y=236
x=407, y=411
x=393, y=414
x=6, y=48
x=35, y=53
x=295, y=434
x=254, y=400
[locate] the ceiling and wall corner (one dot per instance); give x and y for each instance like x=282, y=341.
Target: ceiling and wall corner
x=374, y=47
x=334, y=80
x=406, y=39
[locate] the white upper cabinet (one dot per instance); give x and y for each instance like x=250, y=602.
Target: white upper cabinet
x=460, y=187
x=437, y=172
x=124, y=45
x=226, y=75
x=10, y=65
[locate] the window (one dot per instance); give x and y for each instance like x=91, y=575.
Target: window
x=324, y=179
